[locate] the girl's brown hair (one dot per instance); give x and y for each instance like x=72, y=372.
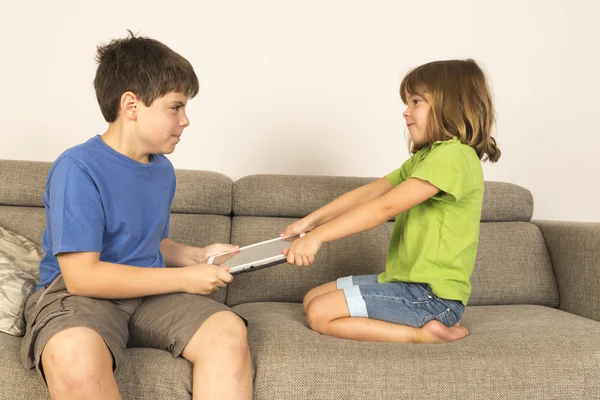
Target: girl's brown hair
x=461, y=104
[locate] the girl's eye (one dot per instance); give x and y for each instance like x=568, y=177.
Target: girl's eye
x=176, y=108
x=415, y=101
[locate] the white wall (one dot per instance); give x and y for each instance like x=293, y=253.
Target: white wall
x=311, y=87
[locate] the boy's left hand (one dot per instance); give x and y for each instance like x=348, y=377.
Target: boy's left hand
x=302, y=251
x=214, y=249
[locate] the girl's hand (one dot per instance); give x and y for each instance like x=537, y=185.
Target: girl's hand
x=214, y=249
x=204, y=278
x=298, y=227
x=302, y=251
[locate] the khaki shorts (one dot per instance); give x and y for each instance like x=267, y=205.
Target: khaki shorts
x=165, y=322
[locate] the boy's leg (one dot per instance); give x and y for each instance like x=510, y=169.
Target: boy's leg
x=221, y=356
x=78, y=365
x=329, y=314
x=205, y=332
x=75, y=342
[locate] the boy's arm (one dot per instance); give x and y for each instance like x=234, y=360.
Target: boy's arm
x=341, y=205
x=85, y=275
x=179, y=255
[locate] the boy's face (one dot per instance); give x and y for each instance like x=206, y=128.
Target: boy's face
x=417, y=115
x=160, y=126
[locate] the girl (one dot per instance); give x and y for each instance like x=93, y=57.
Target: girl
x=436, y=197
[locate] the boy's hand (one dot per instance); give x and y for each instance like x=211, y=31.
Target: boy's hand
x=204, y=278
x=215, y=249
x=298, y=227
x=302, y=251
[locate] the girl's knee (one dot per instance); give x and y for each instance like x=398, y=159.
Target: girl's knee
x=315, y=317
x=317, y=291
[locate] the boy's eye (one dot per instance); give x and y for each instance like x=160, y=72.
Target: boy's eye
x=176, y=108
x=415, y=101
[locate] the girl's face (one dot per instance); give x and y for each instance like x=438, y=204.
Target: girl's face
x=416, y=116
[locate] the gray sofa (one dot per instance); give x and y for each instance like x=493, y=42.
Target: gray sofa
x=533, y=315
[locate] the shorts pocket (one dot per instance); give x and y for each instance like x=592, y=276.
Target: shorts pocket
x=50, y=304
x=420, y=295
x=447, y=317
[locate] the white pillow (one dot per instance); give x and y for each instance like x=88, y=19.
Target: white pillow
x=19, y=274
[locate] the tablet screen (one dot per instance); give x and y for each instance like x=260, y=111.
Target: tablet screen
x=255, y=254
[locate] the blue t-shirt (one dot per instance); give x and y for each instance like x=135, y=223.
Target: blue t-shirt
x=98, y=200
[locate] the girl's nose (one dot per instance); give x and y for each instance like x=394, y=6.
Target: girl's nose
x=405, y=113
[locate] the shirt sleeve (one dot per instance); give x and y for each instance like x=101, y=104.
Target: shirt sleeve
x=447, y=168
x=401, y=174
x=75, y=209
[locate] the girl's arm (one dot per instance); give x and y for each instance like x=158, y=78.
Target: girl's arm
x=179, y=255
x=408, y=194
x=339, y=206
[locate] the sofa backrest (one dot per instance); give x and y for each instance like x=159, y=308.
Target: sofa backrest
x=512, y=266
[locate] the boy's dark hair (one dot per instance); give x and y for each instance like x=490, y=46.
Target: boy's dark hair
x=143, y=66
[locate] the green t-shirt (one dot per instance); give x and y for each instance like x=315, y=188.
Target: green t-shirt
x=435, y=242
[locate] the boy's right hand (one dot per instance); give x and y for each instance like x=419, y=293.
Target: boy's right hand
x=204, y=278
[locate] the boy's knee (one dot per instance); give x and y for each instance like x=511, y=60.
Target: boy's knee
x=231, y=325
x=74, y=355
x=223, y=332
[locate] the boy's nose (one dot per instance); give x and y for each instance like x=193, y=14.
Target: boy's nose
x=405, y=113
x=185, y=122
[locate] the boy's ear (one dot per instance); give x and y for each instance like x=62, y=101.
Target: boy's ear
x=129, y=105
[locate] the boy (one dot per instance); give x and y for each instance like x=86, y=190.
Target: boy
x=103, y=281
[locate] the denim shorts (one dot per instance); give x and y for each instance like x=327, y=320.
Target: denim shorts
x=404, y=303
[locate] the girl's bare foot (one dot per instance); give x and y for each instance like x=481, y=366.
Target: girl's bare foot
x=436, y=332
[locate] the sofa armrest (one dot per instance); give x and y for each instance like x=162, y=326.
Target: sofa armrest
x=574, y=249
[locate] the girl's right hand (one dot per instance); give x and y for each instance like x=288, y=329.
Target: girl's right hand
x=204, y=278
x=298, y=227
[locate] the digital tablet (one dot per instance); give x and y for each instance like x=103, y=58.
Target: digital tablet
x=255, y=256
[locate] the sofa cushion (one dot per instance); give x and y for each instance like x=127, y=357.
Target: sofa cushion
x=512, y=352
x=296, y=196
x=19, y=260
x=22, y=182
x=202, y=192
x=29, y=222
x=143, y=374
x=512, y=265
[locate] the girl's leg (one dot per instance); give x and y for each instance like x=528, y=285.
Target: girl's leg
x=319, y=290
x=337, y=284
x=328, y=314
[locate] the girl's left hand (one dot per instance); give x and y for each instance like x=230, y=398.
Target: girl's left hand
x=214, y=249
x=302, y=251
